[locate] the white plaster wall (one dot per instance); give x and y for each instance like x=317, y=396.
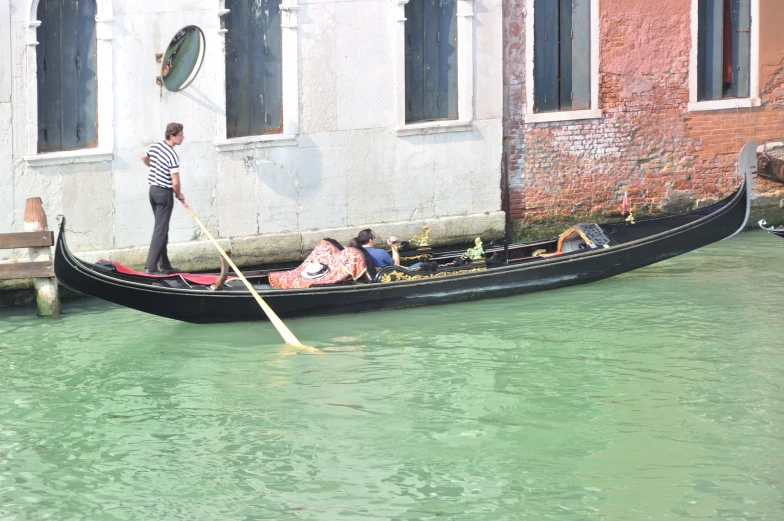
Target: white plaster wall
x=6, y=176
x=348, y=167
x=5, y=52
x=6, y=121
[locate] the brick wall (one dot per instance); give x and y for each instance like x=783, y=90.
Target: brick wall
x=646, y=139
x=514, y=99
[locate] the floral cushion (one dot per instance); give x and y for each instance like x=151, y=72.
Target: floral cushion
x=346, y=264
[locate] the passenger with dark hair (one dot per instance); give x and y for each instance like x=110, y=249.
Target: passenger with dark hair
x=366, y=239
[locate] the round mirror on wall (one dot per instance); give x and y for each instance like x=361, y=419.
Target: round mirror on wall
x=182, y=60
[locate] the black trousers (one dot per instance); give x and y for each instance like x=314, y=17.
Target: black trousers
x=162, y=202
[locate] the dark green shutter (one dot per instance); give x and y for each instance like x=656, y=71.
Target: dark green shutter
x=446, y=105
x=431, y=60
x=741, y=48
x=237, y=69
x=562, y=55
x=565, y=55
x=710, y=48
x=546, y=63
x=254, y=68
x=67, y=95
x=415, y=60
x=581, y=54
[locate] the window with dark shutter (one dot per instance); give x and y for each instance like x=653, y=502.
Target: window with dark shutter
x=562, y=55
x=254, y=71
x=724, y=49
x=67, y=96
x=431, y=60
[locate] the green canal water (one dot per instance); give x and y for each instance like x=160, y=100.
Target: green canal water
x=653, y=395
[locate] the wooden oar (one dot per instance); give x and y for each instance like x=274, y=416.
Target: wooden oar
x=287, y=335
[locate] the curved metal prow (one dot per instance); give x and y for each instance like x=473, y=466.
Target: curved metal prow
x=764, y=225
x=747, y=165
x=772, y=229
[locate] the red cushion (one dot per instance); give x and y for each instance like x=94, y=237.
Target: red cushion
x=343, y=265
x=196, y=278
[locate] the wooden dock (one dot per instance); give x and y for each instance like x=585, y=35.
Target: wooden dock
x=38, y=241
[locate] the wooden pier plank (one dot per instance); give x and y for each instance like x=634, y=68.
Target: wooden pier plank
x=26, y=240
x=26, y=270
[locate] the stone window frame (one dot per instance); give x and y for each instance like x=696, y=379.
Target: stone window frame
x=104, y=78
x=753, y=100
x=289, y=27
x=465, y=75
x=595, y=112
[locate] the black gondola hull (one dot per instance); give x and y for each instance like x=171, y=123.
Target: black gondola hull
x=205, y=306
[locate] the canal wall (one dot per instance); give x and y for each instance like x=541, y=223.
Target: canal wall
x=646, y=133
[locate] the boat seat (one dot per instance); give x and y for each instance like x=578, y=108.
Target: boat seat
x=580, y=237
x=372, y=271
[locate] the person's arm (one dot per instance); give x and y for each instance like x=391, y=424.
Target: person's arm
x=395, y=255
x=176, y=186
x=174, y=172
x=146, y=159
x=392, y=242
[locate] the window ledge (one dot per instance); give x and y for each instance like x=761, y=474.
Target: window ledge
x=85, y=155
x=563, y=115
x=435, y=127
x=723, y=104
x=245, y=143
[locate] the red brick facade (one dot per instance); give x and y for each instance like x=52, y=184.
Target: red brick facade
x=646, y=138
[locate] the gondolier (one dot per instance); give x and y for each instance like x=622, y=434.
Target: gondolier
x=164, y=181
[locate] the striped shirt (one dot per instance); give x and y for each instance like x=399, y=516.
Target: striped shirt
x=163, y=163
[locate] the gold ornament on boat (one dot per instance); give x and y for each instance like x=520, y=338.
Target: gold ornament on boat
x=416, y=258
x=399, y=274
x=421, y=240
x=477, y=252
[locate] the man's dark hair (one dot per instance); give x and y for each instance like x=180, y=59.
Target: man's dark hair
x=365, y=236
x=173, y=129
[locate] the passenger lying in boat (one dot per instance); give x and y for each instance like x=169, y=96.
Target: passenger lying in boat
x=367, y=239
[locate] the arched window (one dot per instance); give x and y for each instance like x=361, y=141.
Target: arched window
x=254, y=72
x=66, y=71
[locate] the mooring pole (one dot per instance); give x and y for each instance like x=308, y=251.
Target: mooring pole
x=47, y=296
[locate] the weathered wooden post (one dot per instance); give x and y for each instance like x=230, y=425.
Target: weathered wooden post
x=47, y=296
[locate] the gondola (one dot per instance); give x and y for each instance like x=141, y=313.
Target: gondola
x=584, y=253
x=772, y=229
